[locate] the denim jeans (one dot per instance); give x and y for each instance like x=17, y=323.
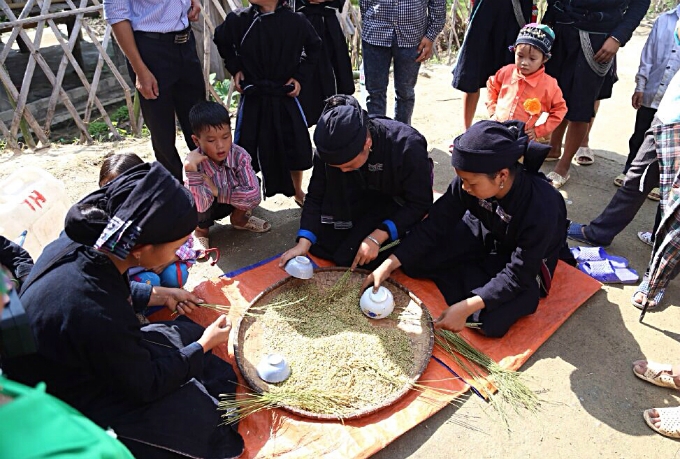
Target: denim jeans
x=377, y=60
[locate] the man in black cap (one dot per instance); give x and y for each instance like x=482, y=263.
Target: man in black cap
x=372, y=181
x=492, y=241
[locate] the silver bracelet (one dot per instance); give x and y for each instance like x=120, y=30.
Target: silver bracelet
x=372, y=239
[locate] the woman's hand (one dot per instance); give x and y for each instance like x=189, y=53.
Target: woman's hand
x=217, y=333
x=238, y=78
x=175, y=299
x=300, y=249
x=454, y=318
x=296, y=87
x=381, y=273
x=368, y=251
x=609, y=49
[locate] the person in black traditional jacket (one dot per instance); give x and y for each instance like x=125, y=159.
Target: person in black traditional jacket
x=271, y=52
x=492, y=241
x=156, y=386
x=372, y=181
x=333, y=72
x=15, y=259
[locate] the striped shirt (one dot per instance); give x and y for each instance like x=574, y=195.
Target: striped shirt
x=410, y=20
x=235, y=180
x=160, y=16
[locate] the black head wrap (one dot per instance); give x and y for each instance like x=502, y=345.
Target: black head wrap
x=340, y=133
x=489, y=146
x=144, y=205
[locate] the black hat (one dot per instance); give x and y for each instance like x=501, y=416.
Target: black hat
x=340, y=134
x=489, y=146
x=144, y=205
x=539, y=35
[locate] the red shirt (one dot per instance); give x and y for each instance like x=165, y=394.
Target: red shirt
x=508, y=89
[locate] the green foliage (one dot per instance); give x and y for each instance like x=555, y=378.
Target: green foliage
x=222, y=89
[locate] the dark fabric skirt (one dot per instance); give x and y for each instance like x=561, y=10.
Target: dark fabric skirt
x=273, y=130
x=466, y=261
x=333, y=72
x=579, y=84
x=185, y=423
x=491, y=31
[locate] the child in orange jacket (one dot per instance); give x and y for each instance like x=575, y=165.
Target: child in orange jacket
x=523, y=91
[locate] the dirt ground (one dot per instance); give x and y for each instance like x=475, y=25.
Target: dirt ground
x=592, y=402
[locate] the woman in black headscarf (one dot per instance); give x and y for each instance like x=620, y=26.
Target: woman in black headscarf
x=155, y=386
x=492, y=241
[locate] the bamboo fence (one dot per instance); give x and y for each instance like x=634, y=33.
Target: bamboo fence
x=41, y=14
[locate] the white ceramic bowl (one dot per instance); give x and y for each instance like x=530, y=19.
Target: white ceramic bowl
x=273, y=368
x=300, y=267
x=377, y=305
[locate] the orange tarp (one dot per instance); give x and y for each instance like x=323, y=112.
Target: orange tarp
x=276, y=433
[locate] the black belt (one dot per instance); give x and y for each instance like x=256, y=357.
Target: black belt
x=177, y=38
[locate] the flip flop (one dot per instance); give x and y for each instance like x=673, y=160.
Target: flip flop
x=604, y=272
x=670, y=421
x=550, y=159
x=255, y=225
x=659, y=374
x=557, y=180
x=575, y=232
x=644, y=289
x=582, y=254
x=585, y=156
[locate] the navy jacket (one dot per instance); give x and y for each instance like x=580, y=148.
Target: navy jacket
x=528, y=226
x=398, y=166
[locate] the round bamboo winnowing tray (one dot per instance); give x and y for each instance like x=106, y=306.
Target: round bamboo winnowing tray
x=249, y=347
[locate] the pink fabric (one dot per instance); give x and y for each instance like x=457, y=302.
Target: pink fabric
x=235, y=180
x=508, y=89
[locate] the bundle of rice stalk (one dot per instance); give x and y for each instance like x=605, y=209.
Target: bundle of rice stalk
x=511, y=389
x=239, y=406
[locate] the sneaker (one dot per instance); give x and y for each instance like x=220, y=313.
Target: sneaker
x=618, y=181
x=646, y=237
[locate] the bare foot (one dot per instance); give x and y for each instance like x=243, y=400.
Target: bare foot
x=640, y=367
x=654, y=417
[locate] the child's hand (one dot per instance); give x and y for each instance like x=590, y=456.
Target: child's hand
x=637, y=100
x=238, y=78
x=210, y=184
x=531, y=133
x=295, y=92
x=194, y=158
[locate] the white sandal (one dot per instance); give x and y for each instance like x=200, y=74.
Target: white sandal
x=670, y=421
x=585, y=156
x=659, y=374
x=557, y=180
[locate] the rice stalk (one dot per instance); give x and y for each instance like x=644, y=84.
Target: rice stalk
x=390, y=245
x=511, y=388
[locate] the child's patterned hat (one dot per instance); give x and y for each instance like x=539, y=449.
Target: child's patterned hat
x=538, y=35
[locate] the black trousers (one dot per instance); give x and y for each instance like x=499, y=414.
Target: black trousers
x=180, y=85
x=643, y=120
